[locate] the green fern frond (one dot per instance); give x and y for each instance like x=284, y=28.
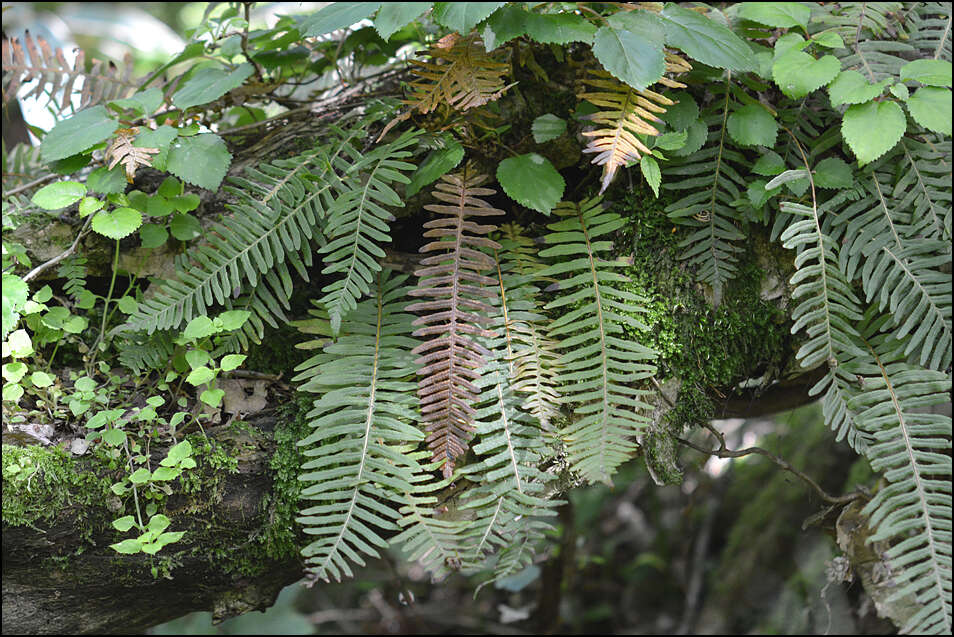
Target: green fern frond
x=359, y=463
x=912, y=448
x=924, y=187
x=600, y=364
x=358, y=223
x=713, y=186
x=141, y=353
x=73, y=269
x=931, y=29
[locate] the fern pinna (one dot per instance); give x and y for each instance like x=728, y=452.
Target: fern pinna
x=452, y=321
x=360, y=461
x=600, y=366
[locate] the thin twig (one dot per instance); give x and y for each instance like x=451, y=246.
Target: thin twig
x=32, y=184
x=724, y=452
x=49, y=264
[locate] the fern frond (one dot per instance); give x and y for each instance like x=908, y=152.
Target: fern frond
x=912, y=449
x=359, y=464
x=600, y=364
x=358, y=223
x=276, y=220
x=34, y=59
x=142, y=353
x=459, y=73
x=451, y=357
x=73, y=269
x=931, y=29
x=122, y=151
x=924, y=187
x=713, y=186
x=625, y=113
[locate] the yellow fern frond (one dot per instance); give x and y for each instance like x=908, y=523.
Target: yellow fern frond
x=460, y=73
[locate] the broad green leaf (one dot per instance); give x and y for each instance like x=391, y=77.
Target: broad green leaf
x=706, y=40
x=752, y=125
x=833, y=173
x=683, y=113
x=169, y=188
x=186, y=203
x=143, y=103
x=672, y=141
x=199, y=327
x=127, y=304
x=75, y=325
x=201, y=160
x=438, y=163
x=547, y=127
x=41, y=379
x=184, y=227
x=210, y=84
x=463, y=16
x=127, y=547
x=140, y=476
x=828, y=39
x=631, y=48
x=107, y=182
x=212, y=397
x=158, y=523
x=197, y=358
x=393, y=16
x=124, y=523
x=650, y=169
x=514, y=21
x=157, y=206
x=13, y=372
x=873, y=129
x=153, y=235
x=200, y=375
x=166, y=473
x=158, y=138
x=114, y=437
x=931, y=108
x=231, y=361
x=12, y=392
x=531, y=181
x=900, y=91
x=43, y=295
x=337, y=15
x=117, y=223
x=697, y=137
x=769, y=164
x=798, y=74
x=84, y=384
x=776, y=14
x=14, y=297
x=851, y=87
x=76, y=134
x=179, y=451
x=59, y=195
x=930, y=72
x=788, y=42
x=232, y=319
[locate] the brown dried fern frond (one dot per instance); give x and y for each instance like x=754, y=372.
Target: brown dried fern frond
x=460, y=73
x=122, y=151
x=456, y=314
x=625, y=112
x=34, y=59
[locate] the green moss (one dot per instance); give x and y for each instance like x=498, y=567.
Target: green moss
x=40, y=482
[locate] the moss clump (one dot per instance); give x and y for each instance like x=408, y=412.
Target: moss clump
x=40, y=482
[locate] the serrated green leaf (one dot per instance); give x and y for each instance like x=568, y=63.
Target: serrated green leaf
x=334, y=16
x=197, y=358
x=513, y=21
x=200, y=375
x=833, y=173
x=531, y=181
x=851, y=87
x=76, y=134
x=706, y=40
x=683, y=113
x=828, y=39
x=650, y=169
x=114, y=437
x=769, y=164
x=89, y=205
x=393, y=16
x=231, y=361
x=672, y=140
x=41, y=379
x=797, y=73
x=438, y=163
x=140, y=476
x=202, y=160
x=752, y=125
x=463, y=16
x=14, y=296
x=199, y=327
x=107, y=182
x=696, y=137
x=153, y=235
x=776, y=14
x=212, y=397
x=184, y=227
x=144, y=102
x=117, y=223
x=931, y=108
x=59, y=195
x=630, y=47
x=872, y=129
x=210, y=84
x=929, y=72
x=547, y=127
